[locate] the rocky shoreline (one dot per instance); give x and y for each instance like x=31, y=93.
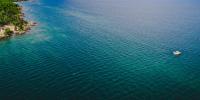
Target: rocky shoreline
x=9, y=30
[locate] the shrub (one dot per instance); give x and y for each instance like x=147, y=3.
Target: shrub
x=8, y=32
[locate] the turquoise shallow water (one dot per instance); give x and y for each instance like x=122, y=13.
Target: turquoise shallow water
x=104, y=50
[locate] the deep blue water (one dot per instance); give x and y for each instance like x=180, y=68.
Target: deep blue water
x=104, y=50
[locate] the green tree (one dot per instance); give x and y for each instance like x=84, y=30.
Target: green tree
x=10, y=13
x=8, y=32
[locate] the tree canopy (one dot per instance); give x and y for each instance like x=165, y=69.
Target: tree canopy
x=10, y=13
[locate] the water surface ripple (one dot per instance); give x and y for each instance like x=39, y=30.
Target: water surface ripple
x=104, y=50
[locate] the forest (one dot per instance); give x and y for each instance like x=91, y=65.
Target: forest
x=10, y=13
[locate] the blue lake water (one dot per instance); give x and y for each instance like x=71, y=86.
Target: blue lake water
x=104, y=50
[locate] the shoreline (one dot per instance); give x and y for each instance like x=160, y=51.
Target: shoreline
x=14, y=31
x=10, y=29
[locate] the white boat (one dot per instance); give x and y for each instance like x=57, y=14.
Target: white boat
x=177, y=53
